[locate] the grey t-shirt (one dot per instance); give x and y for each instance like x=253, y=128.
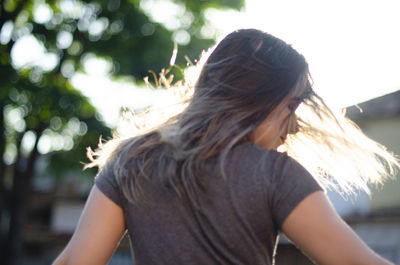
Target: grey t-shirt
x=238, y=217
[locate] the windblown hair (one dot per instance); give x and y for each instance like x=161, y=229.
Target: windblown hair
x=247, y=76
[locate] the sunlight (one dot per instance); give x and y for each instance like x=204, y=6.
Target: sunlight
x=165, y=12
x=28, y=51
x=117, y=94
x=42, y=13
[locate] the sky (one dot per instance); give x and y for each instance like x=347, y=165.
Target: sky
x=352, y=48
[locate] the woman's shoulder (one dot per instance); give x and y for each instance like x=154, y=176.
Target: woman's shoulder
x=276, y=164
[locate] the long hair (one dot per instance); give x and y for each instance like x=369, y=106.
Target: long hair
x=246, y=76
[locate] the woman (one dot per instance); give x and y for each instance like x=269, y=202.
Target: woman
x=209, y=187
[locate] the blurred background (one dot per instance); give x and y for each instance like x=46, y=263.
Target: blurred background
x=68, y=69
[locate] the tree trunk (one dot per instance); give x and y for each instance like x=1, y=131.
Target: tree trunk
x=23, y=175
x=13, y=241
x=2, y=172
x=2, y=165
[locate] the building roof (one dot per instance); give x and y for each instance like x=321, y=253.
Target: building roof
x=380, y=107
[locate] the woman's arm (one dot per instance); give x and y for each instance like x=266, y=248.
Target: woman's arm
x=315, y=227
x=99, y=230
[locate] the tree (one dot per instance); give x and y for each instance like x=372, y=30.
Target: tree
x=37, y=100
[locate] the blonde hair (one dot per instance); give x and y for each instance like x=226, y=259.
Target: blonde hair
x=246, y=76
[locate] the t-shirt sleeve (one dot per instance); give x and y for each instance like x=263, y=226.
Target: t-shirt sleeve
x=291, y=183
x=107, y=183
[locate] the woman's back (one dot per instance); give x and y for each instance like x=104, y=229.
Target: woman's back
x=234, y=220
